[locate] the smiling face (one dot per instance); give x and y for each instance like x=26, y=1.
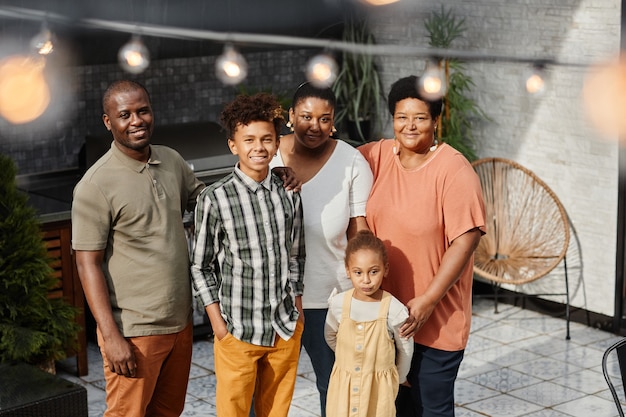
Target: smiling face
x=413, y=126
x=128, y=115
x=255, y=144
x=312, y=120
x=366, y=269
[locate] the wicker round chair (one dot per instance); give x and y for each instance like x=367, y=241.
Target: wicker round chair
x=528, y=230
x=527, y=227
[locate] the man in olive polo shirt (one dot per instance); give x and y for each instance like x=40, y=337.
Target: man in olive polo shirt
x=133, y=261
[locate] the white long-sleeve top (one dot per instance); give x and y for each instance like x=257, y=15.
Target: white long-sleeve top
x=368, y=311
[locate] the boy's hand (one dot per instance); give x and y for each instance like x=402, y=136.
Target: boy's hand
x=217, y=321
x=290, y=182
x=299, y=307
x=220, y=332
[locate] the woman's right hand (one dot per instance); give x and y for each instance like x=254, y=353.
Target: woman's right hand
x=420, y=309
x=408, y=329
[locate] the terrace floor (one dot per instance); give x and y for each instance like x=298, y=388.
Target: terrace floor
x=517, y=363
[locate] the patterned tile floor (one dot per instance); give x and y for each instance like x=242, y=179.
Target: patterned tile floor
x=517, y=363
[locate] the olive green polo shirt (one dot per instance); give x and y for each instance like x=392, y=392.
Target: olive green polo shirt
x=133, y=211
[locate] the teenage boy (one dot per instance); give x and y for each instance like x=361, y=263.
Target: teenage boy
x=248, y=267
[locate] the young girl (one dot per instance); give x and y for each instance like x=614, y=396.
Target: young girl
x=363, y=328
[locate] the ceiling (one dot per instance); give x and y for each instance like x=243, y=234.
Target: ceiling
x=303, y=18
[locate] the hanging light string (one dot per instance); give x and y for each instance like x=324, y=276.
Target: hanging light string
x=282, y=40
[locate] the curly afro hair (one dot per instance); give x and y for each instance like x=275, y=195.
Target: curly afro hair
x=261, y=107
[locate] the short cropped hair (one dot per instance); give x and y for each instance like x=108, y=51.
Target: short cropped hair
x=407, y=88
x=261, y=107
x=121, y=86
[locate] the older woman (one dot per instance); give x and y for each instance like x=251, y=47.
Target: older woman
x=336, y=183
x=426, y=205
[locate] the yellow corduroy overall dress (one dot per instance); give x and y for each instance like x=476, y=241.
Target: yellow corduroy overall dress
x=364, y=380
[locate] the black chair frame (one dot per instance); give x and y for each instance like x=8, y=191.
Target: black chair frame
x=620, y=348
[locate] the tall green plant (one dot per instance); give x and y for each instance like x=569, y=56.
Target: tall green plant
x=459, y=109
x=33, y=328
x=358, y=87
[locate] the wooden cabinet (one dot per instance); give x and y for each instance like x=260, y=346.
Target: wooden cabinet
x=57, y=236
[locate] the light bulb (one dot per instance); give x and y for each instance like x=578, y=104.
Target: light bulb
x=604, y=95
x=134, y=57
x=535, y=82
x=321, y=70
x=432, y=84
x=42, y=42
x=24, y=91
x=231, y=67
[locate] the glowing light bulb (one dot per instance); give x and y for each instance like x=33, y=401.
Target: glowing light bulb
x=432, y=84
x=24, y=91
x=321, y=71
x=42, y=42
x=134, y=56
x=604, y=95
x=231, y=67
x=535, y=82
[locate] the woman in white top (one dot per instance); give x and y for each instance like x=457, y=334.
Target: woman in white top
x=336, y=184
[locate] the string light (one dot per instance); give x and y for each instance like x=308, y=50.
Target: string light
x=42, y=41
x=321, y=70
x=282, y=40
x=379, y=2
x=432, y=84
x=134, y=57
x=231, y=67
x=535, y=82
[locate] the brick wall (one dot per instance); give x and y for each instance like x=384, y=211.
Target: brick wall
x=550, y=134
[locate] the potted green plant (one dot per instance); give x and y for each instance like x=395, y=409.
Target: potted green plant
x=358, y=87
x=33, y=328
x=459, y=109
